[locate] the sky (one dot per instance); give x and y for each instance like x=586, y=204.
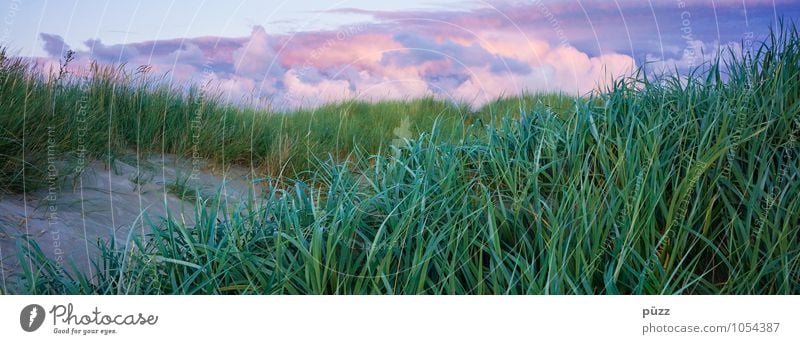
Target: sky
x=306, y=53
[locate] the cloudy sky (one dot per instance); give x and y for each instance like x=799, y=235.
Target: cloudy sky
x=295, y=53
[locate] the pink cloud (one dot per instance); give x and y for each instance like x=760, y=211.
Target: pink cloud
x=470, y=55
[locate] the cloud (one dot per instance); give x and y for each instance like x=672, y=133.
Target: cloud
x=472, y=54
x=510, y=65
x=117, y=53
x=53, y=44
x=256, y=58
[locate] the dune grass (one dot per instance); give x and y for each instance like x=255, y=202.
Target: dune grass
x=670, y=185
x=102, y=112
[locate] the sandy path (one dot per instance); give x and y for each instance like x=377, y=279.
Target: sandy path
x=105, y=202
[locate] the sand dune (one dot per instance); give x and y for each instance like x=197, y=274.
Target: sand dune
x=107, y=201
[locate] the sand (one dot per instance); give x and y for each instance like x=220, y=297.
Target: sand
x=104, y=202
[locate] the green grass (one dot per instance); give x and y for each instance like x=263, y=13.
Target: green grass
x=182, y=188
x=670, y=185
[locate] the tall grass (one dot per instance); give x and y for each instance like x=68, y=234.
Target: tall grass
x=669, y=185
x=101, y=112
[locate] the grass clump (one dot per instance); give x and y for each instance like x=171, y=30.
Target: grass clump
x=182, y=188
x=669, y=185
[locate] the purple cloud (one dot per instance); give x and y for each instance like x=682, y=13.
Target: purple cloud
x=471, y=54
x=53, y=44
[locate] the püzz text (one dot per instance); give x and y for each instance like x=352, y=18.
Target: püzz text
x=654, y=311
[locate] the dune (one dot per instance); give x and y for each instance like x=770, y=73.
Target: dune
x=116, y=201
